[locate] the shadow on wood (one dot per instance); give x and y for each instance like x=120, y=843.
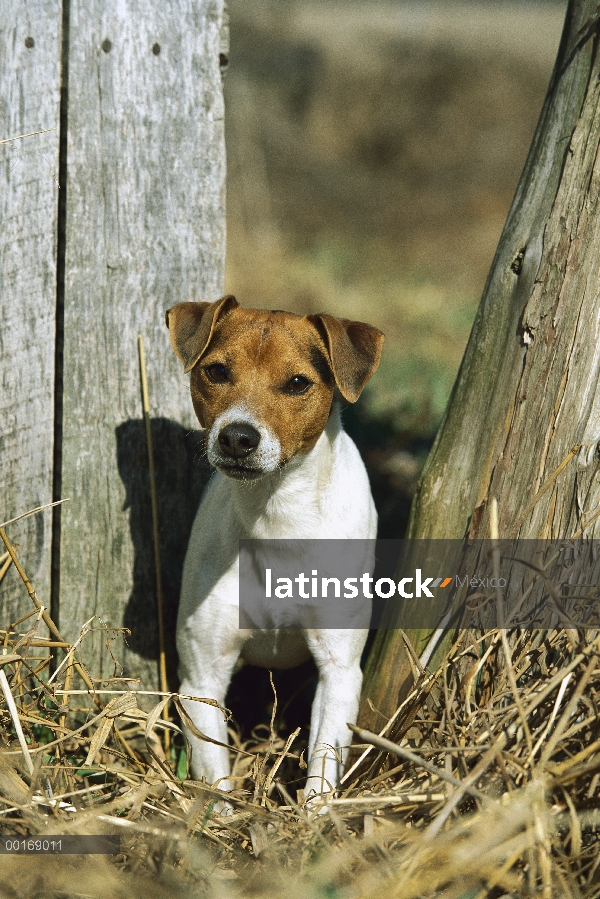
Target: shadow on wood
x=181, y=474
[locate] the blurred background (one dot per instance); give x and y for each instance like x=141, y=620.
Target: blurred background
x=373, y=152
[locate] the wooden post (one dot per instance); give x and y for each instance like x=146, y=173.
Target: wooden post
x=144, y=228
x=29, y=101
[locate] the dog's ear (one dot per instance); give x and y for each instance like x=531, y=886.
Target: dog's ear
x=191, y=326
x=354, y=351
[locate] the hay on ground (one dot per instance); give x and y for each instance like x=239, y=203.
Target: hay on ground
x=470, y=789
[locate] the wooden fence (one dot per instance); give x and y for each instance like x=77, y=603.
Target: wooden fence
x=132, y=91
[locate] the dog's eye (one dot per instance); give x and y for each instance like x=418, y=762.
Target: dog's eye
x=297, y=384
x=217, y=373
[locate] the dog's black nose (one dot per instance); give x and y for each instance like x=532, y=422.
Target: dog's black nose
x=238, y=440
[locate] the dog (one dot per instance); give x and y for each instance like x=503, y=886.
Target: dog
x=262, y=386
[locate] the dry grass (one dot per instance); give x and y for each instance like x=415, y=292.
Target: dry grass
x=470, y=790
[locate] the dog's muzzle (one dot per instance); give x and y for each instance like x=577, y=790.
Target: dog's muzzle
x=241, y=447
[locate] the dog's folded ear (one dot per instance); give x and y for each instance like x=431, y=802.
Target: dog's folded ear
x=354, y=351
x=191, y=326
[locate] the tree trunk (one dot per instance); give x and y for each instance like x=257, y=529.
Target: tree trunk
x=526, y=397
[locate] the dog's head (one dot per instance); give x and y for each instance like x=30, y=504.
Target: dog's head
x=262, y=382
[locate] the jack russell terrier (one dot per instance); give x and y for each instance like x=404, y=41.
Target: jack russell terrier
x=262, y=386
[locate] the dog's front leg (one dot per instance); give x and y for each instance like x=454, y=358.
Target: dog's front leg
x=337, y=655
x=211, y=682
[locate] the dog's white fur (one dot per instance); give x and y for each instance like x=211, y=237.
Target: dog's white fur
x=324, y=494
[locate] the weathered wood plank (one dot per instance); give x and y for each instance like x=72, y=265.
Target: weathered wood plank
x=30, y=34
x=145, y=229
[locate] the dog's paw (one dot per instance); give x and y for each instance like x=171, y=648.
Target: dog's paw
x=315, y=803
x=222, y=808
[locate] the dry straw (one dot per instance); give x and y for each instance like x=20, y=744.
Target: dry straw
x=484, y=782
x=162, y=655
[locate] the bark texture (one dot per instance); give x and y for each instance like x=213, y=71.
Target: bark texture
x=523, y=421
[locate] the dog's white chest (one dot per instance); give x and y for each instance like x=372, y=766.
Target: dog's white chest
x=323, y=495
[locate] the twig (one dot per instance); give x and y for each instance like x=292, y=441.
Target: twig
x=465, y=786
x=585, y=525
x=54, y=630
x=500, y=613
x=259, y=784
x=139, y=693
x=544, y=488
x=558, y=769
x=402, y=752
x=111, y=711
x=569, y=710
x=162, y=658
x=280, y=758
x=6, y=563
x=82, y=633
x=434, y=640
x=414, y=658
x=397, y=799
x=14, y=714
x=548, y=728
x=8, y=140
x=43, y=643
x=417, y=689
x=33, y=511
